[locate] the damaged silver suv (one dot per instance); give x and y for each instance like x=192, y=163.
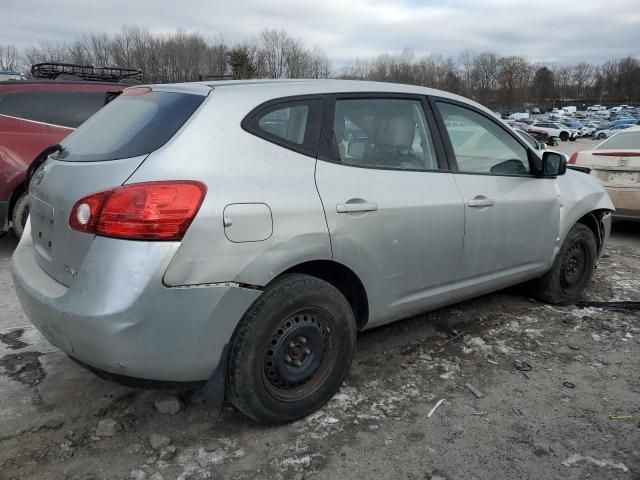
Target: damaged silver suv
x=242, y=233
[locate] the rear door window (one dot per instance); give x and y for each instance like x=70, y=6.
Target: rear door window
x=134, y=124
x=67, y=109
x=293, y=124
x=389, y=133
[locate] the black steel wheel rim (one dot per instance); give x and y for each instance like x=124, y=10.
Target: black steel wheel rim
x=574, y=267
x=299, y=355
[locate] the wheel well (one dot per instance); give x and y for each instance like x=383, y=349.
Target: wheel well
x=593, y=220
x=345, y=280
x=19, y=190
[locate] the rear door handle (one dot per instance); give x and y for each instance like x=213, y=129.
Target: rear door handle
x=481, y=201
x=356, y=207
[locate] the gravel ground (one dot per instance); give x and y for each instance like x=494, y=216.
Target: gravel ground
x=557, y=386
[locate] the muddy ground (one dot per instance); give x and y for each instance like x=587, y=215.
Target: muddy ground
x=559, y=387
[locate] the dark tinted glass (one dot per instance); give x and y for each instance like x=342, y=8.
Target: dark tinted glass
x=67, y=109
x=130, y=126
x=291, y=124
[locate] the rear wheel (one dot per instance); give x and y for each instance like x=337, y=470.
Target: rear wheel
x=571, y=270
x=564, y=136
x=292, y=350
x=20, y=214
x=601, y=136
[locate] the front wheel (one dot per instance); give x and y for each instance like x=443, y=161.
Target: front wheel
x=20, y=214
x=602, y=136
x=564, y=136
x=291, y=351
x=571, y=270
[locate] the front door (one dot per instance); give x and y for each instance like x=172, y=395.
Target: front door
x=511, y=216
x=394, y=213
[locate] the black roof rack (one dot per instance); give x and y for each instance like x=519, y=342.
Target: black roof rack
x=62, y=71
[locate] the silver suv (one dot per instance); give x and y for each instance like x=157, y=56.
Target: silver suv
x=242, y=233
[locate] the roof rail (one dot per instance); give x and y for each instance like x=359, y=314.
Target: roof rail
x=59, y=71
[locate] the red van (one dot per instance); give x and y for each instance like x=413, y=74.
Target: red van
x=39, y=113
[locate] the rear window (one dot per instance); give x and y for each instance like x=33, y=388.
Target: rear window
x=67, y=109
x=630, y=140
x=130, y=126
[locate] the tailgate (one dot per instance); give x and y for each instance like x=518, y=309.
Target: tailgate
x=55, y=188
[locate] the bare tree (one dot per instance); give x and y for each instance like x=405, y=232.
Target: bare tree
x=9, y=58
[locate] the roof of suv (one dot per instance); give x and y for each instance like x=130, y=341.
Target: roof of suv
x=291, y=87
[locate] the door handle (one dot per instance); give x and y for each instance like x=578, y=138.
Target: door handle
x=481, y=201
x=356, y=207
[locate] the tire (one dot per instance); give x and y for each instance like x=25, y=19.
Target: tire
x=284, y=363
x=601, y=136
x=20, y=214
x=572, y=139
x=564, y=136
x=571, y=270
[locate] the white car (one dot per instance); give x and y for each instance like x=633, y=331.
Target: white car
x=606, y=133
x=557, y=130
x=616, y=163
x=595, y=108
x=589, y=129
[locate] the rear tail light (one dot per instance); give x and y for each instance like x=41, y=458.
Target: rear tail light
x=573, y=158
x=140, y=211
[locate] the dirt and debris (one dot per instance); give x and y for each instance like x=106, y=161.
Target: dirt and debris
x=23, y=367
x=377, y=426
x=13, y=339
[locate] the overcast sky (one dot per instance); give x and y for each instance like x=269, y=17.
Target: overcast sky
x=560, y=31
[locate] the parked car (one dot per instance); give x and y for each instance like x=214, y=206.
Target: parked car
x=589, y=129
x=197, y=243
x=10, y=75
x=535, y=143
x=616, y=163
x=557, y=130
x=623, y=121
x=601, y=134
x=577, y=126
x=595, y=108
x=34, y=115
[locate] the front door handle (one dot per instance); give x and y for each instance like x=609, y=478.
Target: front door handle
x=481, y=201
x=356, y=207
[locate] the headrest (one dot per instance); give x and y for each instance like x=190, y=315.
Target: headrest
x=397, y=131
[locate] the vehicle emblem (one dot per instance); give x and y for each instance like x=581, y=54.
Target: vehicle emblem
x=37, y=178
x=624, y=162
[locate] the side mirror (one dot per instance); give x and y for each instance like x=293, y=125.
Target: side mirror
x=542, y=146
x=553, y=164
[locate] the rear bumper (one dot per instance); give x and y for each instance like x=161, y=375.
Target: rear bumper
x=119, y=317
x=626, y=201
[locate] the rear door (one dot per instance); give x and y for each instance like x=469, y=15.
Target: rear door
x=511, y=217
x=99, y=155
x=394, y=213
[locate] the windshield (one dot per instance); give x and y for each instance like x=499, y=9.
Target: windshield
x=630, y=140
x=132, y=125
